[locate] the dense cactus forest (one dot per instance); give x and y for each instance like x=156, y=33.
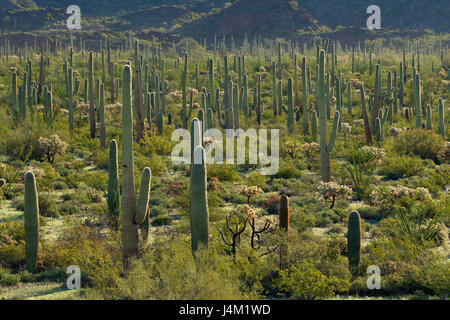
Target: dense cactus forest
x=88, y=180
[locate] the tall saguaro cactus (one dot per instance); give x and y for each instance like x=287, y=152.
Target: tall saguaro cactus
x=31, y=216
x=199, y=215
x=113, y=184
x=325, y=145
x=418, y=101
x=304, y=97
x=91, y=96
x=354, y=235
x=132, y=214
x=441, y=127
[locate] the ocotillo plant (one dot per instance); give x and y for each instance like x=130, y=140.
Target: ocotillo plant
x=199, y=215
x=31, y=216
x=325, y=145
x=354, y=235
x=441, y=127
x=133, y=213
x=113, y=185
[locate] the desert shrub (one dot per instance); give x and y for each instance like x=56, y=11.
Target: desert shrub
x=69, y=208
x=222, y=172
x=162, y=221
x=359, y=168
x=47, y=205
x=8, y=279
x=156, y=145
x=423, y=143
x=169, y=271
x=12, y=256
x=288, y=172
x=95, y=179
x=255, y=179
x=305, y=281
x=157, y=210
x=396, y=167
x=97, y=255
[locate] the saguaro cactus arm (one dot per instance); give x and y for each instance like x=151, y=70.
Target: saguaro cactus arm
x=144, y=196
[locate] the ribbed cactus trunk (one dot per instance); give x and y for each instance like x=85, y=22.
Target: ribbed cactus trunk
x=354, y=236
x=101, y=112
x=31, y=216
x=429, y=118
x=314, y=125
x=113, y=184
x=129, y=229
x=284, y=226
x=199, y=215
x=305, y=98
x=14, y=95
x=91, y=96
x=418, y=101
x=441, y=127
x=325, y=145
x=290, y=110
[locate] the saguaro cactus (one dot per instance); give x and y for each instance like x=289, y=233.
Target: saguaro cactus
x=325, y=145
x=91, y=96
x=101, y=112
x=441, y=128
x=71, y=90
x=284, y=213
x=31, y=216
x=354, y=235
x=199, y=215
x=304, y=98
x=113, y=184
x=132, y=214
x=418, y=101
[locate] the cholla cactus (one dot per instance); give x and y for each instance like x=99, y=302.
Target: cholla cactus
x=249, y=192
x=291, y=148
x=311, y=150
x=52, y=146
x=395, y=132
x=358, y=123
x=399, y=195
x=374, y=155
x=332, y=190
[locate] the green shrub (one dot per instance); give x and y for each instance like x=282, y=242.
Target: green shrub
x=8, y=279
x=288, y=172
x=169, y=271
x=162, y=221
x=396, y=167
x=423, y=143
x=305, y=281
x=222, y=172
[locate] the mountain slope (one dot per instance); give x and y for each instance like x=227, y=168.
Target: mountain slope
x=281, y=18
x=403, y=14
